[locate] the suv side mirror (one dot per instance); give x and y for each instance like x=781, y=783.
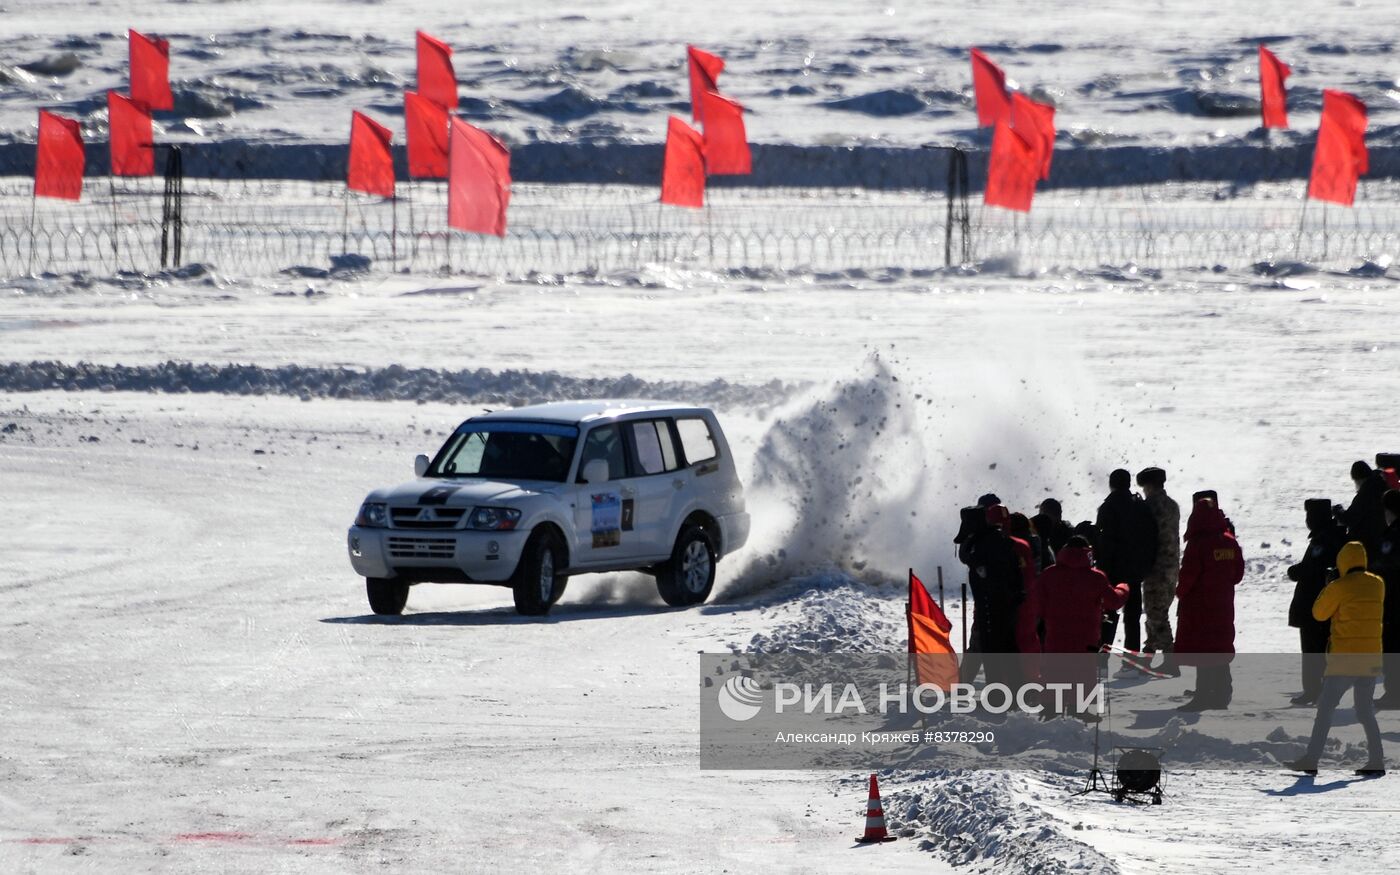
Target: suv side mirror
x=596, y=471
x=420, y=465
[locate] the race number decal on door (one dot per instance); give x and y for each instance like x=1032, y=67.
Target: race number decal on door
x=607, y=519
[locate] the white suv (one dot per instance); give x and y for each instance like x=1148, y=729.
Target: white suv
x=524, y=498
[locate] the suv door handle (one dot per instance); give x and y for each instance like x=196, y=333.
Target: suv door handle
x=628, y=492
x=678, y=483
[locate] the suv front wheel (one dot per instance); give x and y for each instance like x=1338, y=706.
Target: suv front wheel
x=538, y=582
x=689, y=575
x=386, y=596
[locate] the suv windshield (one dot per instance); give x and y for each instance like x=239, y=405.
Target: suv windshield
x=507, y=451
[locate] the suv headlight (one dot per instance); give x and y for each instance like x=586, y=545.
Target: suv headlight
x=373, y=515
x=494, y=519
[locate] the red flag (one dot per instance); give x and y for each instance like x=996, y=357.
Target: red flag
x=922, y=604
x=726, y=145
x=935, y=660
x=59, y=161
x=436, y=79
x=370, y=168
x=425, y=123
x=130, y=138
x=989, y=86
x=1012, y=169
x=1037, y=122
x=478, y=185
x=1341, y=155
x=150, y=71
x=704, y=76
x=683, y=167
x=1273, y=101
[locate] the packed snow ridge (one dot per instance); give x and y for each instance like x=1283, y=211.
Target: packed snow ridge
x=393, y=383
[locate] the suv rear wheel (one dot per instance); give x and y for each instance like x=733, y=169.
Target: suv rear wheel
x=538, y=582
x=689, y=575
x=386, y=596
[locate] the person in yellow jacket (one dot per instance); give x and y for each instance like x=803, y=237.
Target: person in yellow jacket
x=1355, y=604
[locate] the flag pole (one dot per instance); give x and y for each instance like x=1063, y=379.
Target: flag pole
x=659, y=214
x=1324, y=232
x=1302, y=219
x=710, y=233
x=112, y=191
x=940, y=587
x=963, y=611
x=394, y=231
x=345, y=225
x=33, y=231
x=909, y=655
x=412, y=230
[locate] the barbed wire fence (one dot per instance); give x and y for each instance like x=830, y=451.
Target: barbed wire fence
x=259, y=226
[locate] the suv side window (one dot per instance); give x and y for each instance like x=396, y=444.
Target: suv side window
x=605, y=442
x=655, y=448
x=696, y=441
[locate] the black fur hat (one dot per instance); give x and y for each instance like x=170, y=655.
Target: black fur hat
x=1318, y=512
x=1152, y=477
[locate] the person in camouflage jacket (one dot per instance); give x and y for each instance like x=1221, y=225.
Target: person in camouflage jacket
x=1159, y=586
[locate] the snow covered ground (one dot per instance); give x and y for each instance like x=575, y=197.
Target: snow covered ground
x=195, y=681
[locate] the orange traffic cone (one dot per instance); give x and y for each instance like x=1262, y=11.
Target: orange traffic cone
x=874, y=818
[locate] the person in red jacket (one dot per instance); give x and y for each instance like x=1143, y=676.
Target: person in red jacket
x=1211, y=567
x=1070, y=597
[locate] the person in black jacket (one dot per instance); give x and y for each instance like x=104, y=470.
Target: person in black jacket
x=1125, y=551
x=1050, y=524
x=973, y=520
x=994, y=573
x=1310, y=575
x=1020, y=527
x=1387, y=565
x=1365, y=517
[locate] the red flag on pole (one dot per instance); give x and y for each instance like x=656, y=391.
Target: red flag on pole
x=478, y=184
x=1037, y=122
x=1340, y=157
x=726, y=144
x=704, y=76
x=130, y=138
x=989, y=87
x=935, y=660
x=436, y=79
x=1011, y=170
x=1273, y=102
x=150, y=71
x=59, y=160
x=683, y=167
x=425, y=123
x=370, y=168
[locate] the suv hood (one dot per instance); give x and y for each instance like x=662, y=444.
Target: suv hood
x=459, y=492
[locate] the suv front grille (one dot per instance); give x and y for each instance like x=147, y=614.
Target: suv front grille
x=421, y=548
x=429, y=517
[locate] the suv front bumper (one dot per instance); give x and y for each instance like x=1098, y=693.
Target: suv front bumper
x=413, y=554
